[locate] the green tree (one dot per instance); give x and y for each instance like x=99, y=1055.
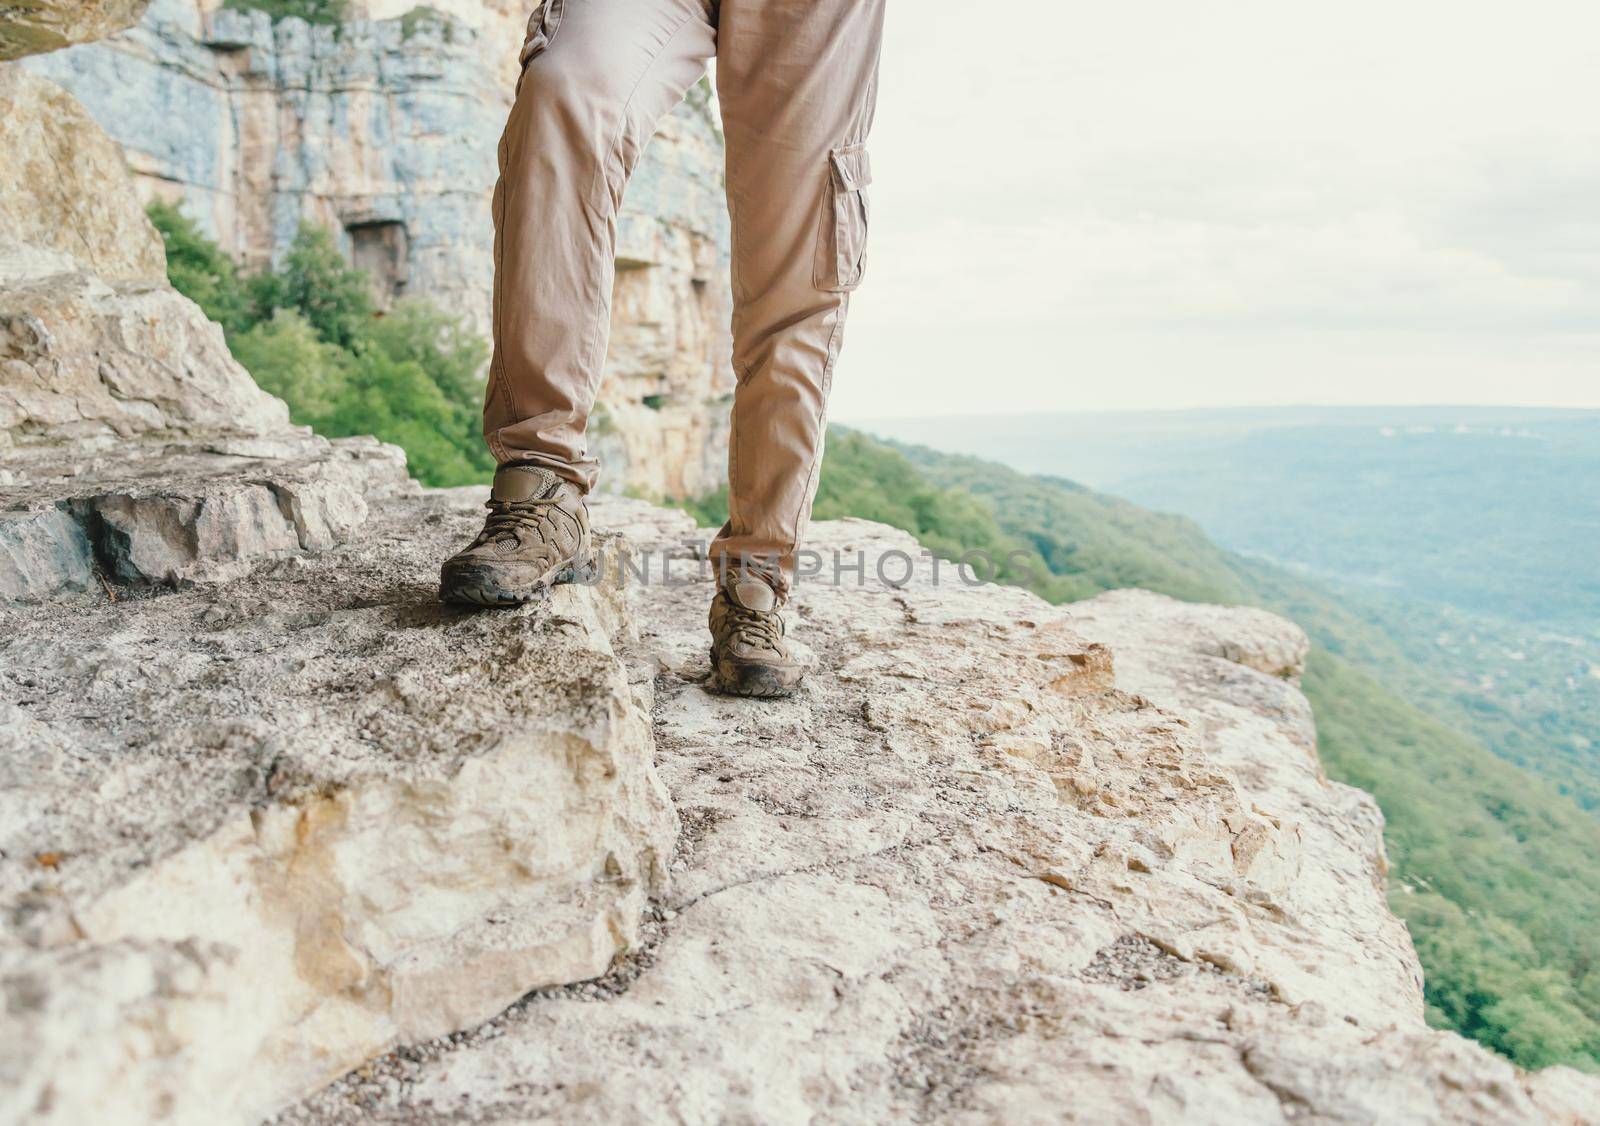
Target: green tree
x=312, y=11
x=309, y=334
x=316, y=281
x=198, y=269
x=397, y=400
x=390, y=394
x=453, y=356
x=288, y=359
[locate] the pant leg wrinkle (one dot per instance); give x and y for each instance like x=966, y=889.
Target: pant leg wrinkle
x=612, y=201
x=797, y=80
x=614, y=69
x=802, y=510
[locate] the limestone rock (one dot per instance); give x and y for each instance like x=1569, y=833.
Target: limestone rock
x=135, y=447
x=180, y=514
x=94, y=345
x=43, y=552
x=995, y=853
x=64, y=190
x=254, y=835
x=87, y=363
x=974, y=874
x=385, y=129
x=1235, y=635
x=30, y=26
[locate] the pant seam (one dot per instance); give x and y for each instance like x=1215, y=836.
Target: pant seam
x=739, y=377
x=736, y=506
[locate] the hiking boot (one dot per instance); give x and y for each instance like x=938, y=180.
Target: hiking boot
x=748, y=654
x=537, y=535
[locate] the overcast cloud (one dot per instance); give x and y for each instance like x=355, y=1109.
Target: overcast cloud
x=1156, y=204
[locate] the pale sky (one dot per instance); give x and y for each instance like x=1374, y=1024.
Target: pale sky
x=1093, y=205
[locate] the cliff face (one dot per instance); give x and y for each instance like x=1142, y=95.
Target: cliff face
x=385, y=129
x=131, y=445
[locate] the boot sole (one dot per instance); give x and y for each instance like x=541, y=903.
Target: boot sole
x=758, y=682
x=479, y=587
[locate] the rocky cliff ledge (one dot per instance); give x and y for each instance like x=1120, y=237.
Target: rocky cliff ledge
x=133, y=447
x=999, y=861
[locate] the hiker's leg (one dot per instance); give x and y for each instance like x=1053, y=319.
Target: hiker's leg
x=797, y=80
x=597, y=77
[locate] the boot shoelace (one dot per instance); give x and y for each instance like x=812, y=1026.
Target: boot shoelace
x=762, y=629
x=509, y=517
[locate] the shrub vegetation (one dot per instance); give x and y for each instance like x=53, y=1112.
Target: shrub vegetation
x=309, y=334
x=312, y=11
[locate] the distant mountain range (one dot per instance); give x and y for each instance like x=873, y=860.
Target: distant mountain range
x=1491, y=510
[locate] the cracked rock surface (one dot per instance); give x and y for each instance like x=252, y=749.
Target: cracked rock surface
x=178, y=513
x=254, y=833
x=971, y=874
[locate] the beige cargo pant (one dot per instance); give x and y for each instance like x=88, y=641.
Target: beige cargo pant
x=797, y=80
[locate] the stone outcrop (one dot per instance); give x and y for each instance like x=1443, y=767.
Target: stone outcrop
x=253, y=834
x=90, y=363
x=94, y=345
x=385, y=129
x=177, y=513
x=134, y=447
x=62, y=191
x=997, y=855
x=30, y=26
x=232, y=866
x=999, y=862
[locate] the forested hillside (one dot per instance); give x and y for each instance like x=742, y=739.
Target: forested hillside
x=308, y=333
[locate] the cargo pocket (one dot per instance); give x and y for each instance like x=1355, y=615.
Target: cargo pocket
x=842, y=240
x=542, y=26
